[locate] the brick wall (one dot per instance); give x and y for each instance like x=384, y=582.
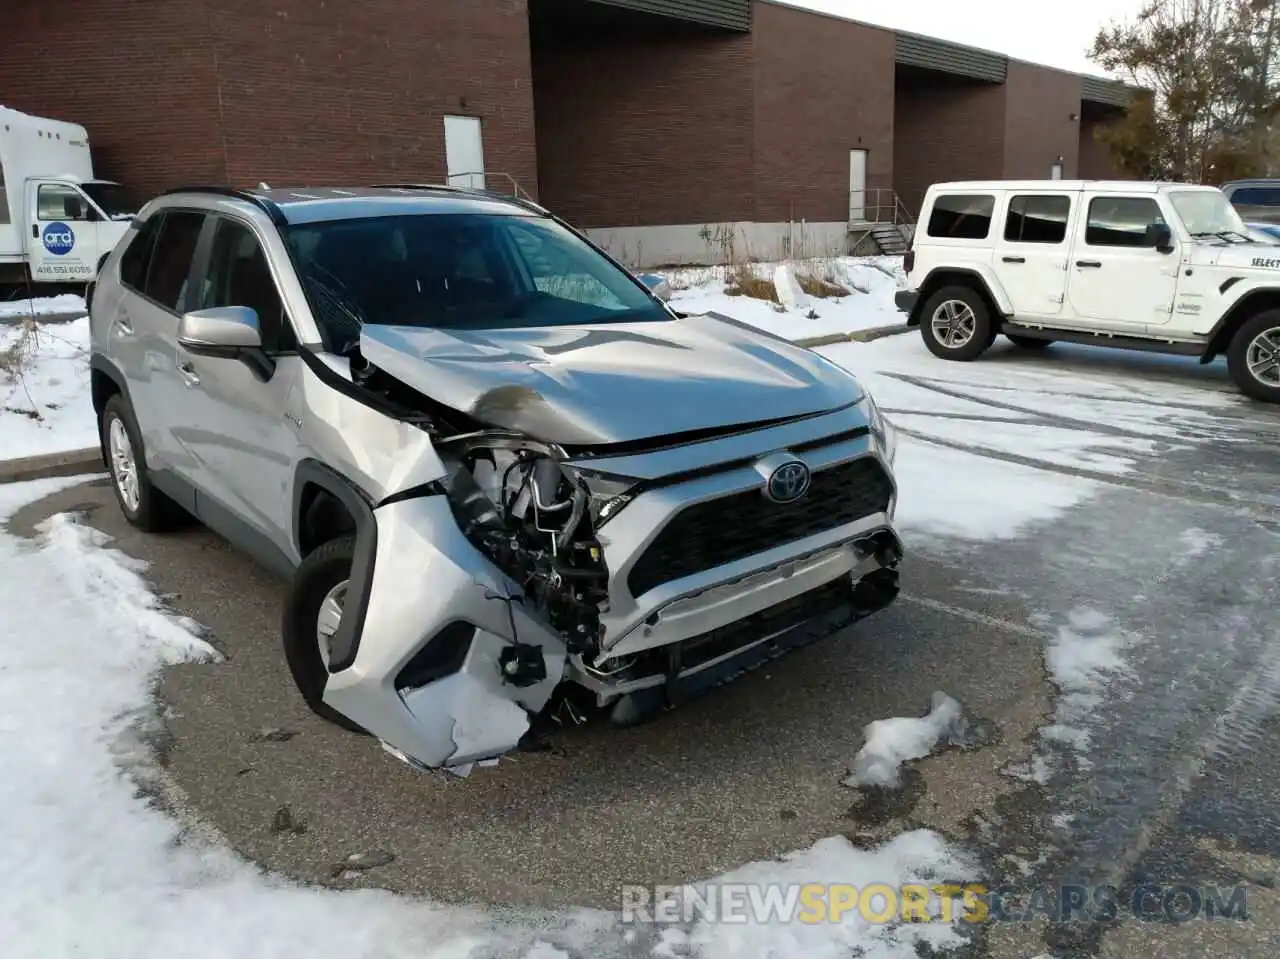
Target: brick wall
x=140, y=77
x=287, y=91
x=356, y=90
x=645, y=126
x=1095, y=158
x=824, y=86
x=946, y=131
x=1038, y=126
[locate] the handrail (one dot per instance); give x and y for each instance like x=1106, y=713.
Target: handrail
x=878, y=205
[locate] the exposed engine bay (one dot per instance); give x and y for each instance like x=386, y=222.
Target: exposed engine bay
x=518, y=507
x=536, y=523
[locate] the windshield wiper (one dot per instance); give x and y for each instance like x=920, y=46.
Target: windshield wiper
x=1223, y=235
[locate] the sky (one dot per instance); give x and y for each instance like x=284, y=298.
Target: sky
x=1056, y=35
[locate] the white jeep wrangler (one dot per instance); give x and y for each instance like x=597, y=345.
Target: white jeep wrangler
x=1165, y=267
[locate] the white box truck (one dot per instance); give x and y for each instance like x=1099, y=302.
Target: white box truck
x=57, y=222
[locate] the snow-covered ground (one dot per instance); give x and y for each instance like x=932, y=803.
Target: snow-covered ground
x=44, y=389
x=871, y=280
x=64, y=303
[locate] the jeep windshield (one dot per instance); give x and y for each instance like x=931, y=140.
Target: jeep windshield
x=459, y=271
x=1208, y=214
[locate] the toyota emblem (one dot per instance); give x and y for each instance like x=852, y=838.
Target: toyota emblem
x=788, y=482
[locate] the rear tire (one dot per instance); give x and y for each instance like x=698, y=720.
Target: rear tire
x=956, y=324
x=142, y=504
x=325, y=569
x=1253, y=357
x=1028, y=342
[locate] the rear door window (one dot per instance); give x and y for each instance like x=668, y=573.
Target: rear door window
x=1037, y=219
x=136, y=259
x=962, y=216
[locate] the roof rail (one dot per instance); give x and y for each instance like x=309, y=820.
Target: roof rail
x=518, y=200
x=267, y=206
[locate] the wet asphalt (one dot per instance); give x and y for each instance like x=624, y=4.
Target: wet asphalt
x=1181, y=783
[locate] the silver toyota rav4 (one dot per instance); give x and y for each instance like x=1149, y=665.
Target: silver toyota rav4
x=507, y=484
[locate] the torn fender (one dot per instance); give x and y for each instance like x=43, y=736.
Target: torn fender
x=427, y=577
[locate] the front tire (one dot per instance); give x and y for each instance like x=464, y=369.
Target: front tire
x=956, y=324
x=1253, y=358
x=142, y=504
x=313, y=610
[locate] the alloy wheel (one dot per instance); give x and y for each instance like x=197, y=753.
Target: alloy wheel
x=124, y=465
x=1263, y=357
x=954, y=324
x=328, y=620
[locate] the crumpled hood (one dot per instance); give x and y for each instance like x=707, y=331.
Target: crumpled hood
x=607, y=383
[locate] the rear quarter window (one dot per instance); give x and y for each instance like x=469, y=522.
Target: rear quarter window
x=962, y=216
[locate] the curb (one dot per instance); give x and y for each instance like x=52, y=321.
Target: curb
x=856, y=336
x=69, y=463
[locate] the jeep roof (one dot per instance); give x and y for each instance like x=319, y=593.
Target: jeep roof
x=1069, y=186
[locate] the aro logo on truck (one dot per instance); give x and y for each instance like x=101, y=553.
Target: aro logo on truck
x=58, y=239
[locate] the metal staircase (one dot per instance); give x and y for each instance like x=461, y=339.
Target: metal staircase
x=879, y=223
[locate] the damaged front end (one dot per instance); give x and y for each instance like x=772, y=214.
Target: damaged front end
x=508, y=587
x=484, y=583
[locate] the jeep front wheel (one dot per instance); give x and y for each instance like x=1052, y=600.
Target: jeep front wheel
x=1253, y=358
x=956, y=324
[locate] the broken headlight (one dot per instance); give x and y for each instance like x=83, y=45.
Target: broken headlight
x=607, y=494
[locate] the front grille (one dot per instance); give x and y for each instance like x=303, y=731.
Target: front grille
x=719, y=531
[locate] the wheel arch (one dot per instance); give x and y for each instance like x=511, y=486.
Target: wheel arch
x=970, y=277
x=327, y=505
x=1248, y=306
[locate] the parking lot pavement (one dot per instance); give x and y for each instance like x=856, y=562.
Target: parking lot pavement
x=1160, y=588
x=750, y=772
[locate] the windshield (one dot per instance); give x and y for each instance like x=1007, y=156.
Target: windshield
x=114, y=199
x=459, y=271
x=1208, y=213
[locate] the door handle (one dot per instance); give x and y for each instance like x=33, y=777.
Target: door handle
x=188, y=374
x=1014, y=259
x=1093, y=264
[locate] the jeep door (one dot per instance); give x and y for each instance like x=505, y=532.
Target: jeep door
x=233, y=429
x=1032, y=251
x=1117, y=279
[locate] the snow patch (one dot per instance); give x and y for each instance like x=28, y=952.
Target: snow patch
x=1083, y=660
x=891, y=742
x=949, y=492
x=1197, y=542
x=916, y=857
x=44, y=389
x=42, y=305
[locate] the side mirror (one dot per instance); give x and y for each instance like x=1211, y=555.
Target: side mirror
x=224, y=331
x=1159, y=237
x=73, y=209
